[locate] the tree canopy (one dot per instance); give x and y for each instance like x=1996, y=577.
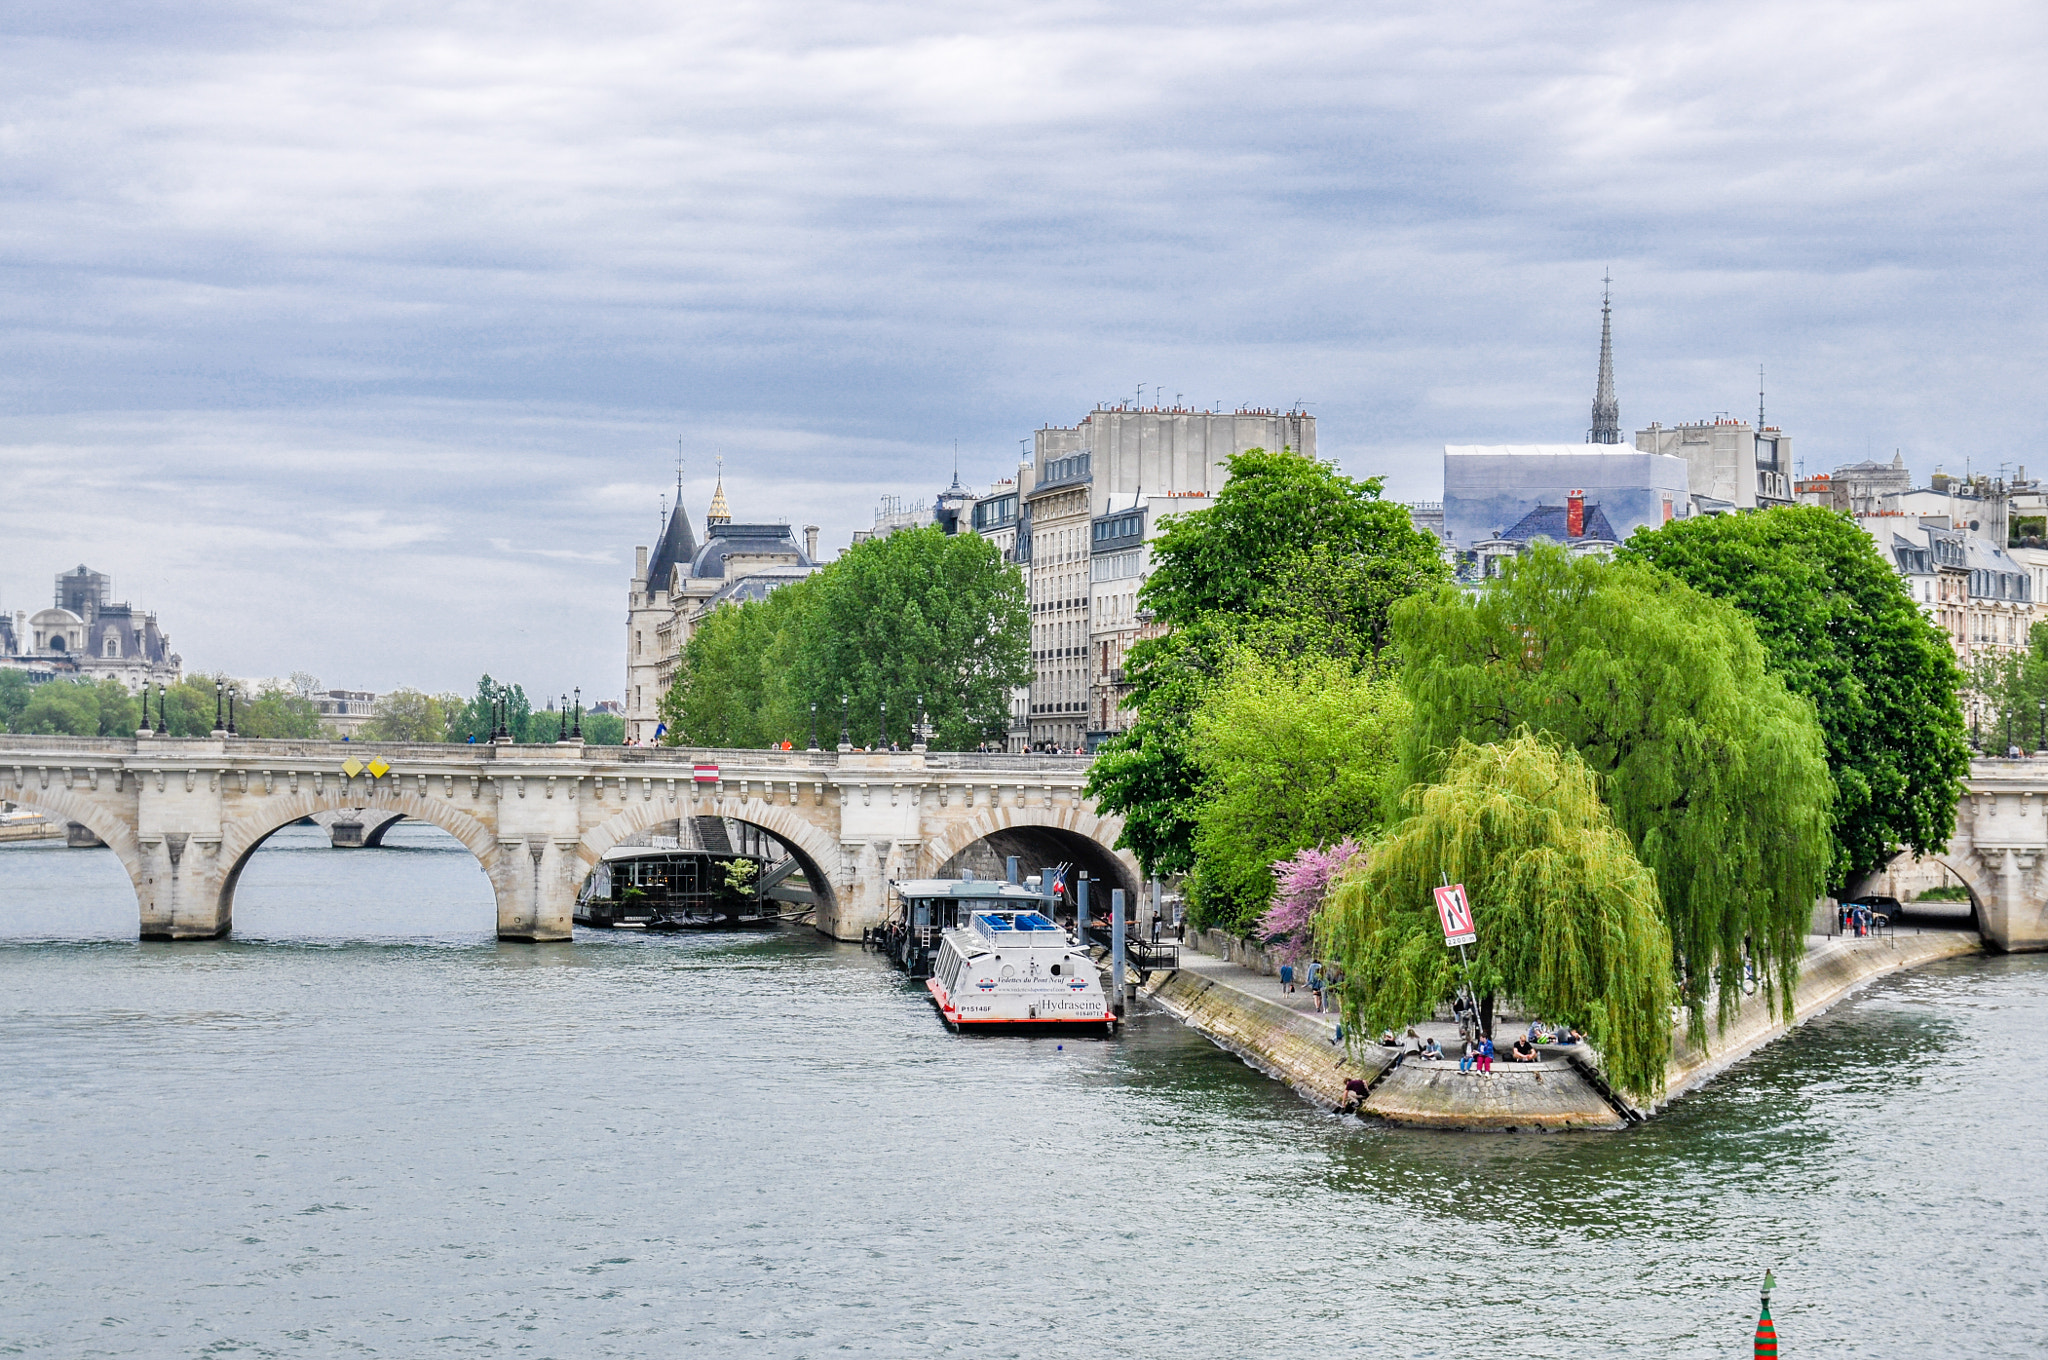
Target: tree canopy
x=1293, y=754
x=917, y=622
x=1568, y=918
x=1838, y=623
x=1716, y=772
x=1293, y=560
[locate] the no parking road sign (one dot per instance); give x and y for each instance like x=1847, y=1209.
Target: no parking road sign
x=1456, y=914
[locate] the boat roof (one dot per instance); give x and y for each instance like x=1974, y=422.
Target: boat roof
x=658, y=851
x=970, y=887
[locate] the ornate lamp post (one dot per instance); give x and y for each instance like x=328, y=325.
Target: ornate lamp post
x=814, y=725
x=845, y=732
x=163, y=714
x=562, y=728
x=231, y=711
x=576, y=732
x=220, y=691
x=884, y=744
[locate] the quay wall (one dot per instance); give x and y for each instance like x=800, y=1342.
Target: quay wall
x=1832, y=970
x=1282, y=1043
x=1297, y=1048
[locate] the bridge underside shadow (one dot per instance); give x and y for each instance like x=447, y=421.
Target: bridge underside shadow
x=1037, y=847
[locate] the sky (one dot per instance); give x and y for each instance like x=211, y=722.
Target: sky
x=363, y=340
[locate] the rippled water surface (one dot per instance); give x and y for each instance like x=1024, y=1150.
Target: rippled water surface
x=364, y=1127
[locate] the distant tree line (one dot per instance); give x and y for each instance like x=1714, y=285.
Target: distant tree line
x=277, y=709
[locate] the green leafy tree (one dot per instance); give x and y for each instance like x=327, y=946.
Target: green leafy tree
x=1842, y=629
x=603, y=729
x=733, y=688
x=15, y=689
x=922, y=621
x=278, y=714
x=409, y=715
x=80, y=708
x=1294, y=754
x=475, y=719
x=1294, y=559
x=1716, y=772
x=1568, y=917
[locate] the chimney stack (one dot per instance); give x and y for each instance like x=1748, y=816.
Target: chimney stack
x=1575, y=515
x=811, y=541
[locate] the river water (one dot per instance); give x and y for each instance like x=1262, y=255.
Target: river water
x=364, y=1127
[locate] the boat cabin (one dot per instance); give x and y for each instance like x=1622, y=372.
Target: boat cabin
x=643, y=888
x=923, y=910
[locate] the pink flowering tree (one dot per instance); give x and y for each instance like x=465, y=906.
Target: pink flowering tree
x=1300, y=883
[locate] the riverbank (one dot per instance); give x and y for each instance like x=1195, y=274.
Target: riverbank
x=1251, y=1014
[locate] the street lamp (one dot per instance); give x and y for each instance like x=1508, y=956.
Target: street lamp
x=562, y=729
x=884, y=744
x=231, y=710
x=576, y=732
x=163, y=714
x=845, y=732
x=814, y=725
x=220, y=690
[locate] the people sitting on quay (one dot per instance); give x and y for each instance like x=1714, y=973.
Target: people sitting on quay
x=1523, y=1051
x=1433, y=1050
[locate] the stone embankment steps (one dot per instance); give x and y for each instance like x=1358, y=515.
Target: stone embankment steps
x=1280, y=1034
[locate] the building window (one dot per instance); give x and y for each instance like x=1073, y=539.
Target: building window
x=113, y=645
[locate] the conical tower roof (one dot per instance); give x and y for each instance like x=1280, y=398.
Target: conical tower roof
x=720, y=512
x=678, y=545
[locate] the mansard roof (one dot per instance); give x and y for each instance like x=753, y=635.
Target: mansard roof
x=1550, y=521
x=746, y=540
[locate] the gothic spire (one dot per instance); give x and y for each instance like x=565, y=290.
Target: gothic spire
x=719, y=513
x=1606, y=410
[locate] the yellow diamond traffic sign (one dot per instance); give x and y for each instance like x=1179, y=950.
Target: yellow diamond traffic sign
x=378, y=769
x=352, y=767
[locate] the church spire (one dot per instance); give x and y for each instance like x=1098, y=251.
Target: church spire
x=720, y=512
x=1606, y=410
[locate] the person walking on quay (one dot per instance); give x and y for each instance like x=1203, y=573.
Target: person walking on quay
x=1315, y=980
x=1287, y=976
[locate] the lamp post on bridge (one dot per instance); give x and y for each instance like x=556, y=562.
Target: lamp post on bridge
x=884, y=743
x=576, y=732
x=562, y=728
x=845, y=732
x=220, y=690
x=814, y=725
x=231, y=711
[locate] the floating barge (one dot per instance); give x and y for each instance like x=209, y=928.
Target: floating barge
x=653, y=888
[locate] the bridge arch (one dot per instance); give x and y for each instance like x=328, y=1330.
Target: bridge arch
x=817, y=852
x=257, y=823
x=1042, y=835
x=65, y=804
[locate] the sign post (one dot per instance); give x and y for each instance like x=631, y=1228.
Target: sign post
x=1455, y=912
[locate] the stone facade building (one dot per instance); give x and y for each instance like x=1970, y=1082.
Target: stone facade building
x=85, y=633
x=1117, y=459
x=1730, y=464
x=682, y=580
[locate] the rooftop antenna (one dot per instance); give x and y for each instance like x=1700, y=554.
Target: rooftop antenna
x=1759, y=396
x=679, y=472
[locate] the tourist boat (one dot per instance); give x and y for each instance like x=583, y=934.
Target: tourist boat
x=665, y=888
x=1014, y=969
x=924, y=909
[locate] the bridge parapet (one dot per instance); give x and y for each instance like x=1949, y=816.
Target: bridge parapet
x=184, y=814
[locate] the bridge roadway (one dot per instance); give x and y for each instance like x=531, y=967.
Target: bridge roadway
x=183, y=815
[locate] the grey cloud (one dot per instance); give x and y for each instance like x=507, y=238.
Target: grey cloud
x=316, y=305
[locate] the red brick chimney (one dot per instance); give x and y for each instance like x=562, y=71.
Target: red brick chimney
x=1575, y=515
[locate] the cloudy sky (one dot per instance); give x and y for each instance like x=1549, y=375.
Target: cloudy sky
x=360, y=338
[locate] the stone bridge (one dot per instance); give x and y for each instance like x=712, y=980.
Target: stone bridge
x=2000, y=850
x=183, y=815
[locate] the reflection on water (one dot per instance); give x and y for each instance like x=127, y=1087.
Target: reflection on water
x=362, y=1124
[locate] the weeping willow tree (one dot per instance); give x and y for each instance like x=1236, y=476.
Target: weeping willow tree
x=1568, y=918
x=1715, y=771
